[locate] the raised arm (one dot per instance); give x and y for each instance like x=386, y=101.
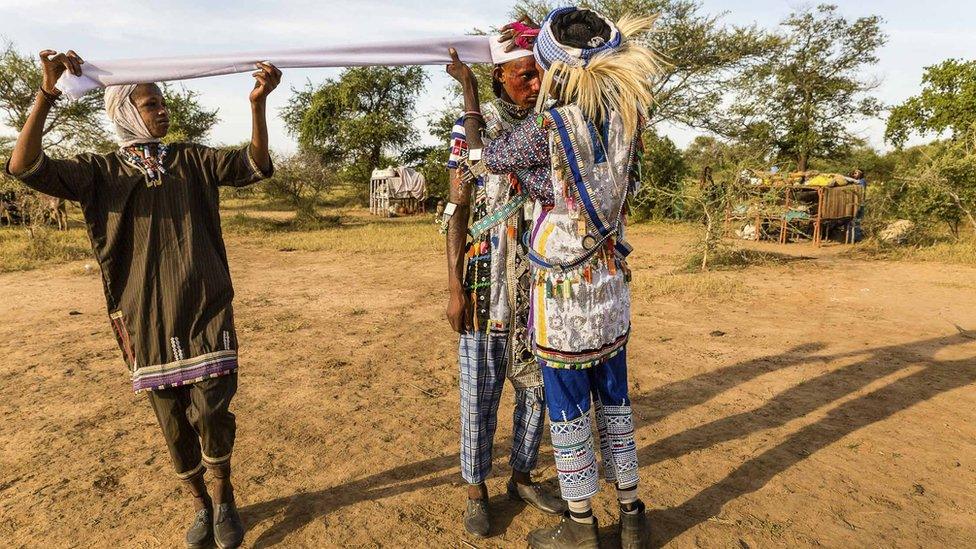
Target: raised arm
x=27, y=150
x=267, y=78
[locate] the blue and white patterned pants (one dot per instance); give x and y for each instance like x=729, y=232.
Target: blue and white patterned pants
x=569, y=394
x=484, y=362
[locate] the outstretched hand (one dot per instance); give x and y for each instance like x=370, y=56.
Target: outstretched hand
x=460, y=71
x=266, y=79
x=53, y=65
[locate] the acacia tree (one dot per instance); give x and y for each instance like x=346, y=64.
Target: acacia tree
x=352, y=121
x=947, y=104
x=802, y=98
x=189, y=121
x=702, y=55
x=941, y=186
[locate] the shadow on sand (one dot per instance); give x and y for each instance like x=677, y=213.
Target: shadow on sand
x=866, y=366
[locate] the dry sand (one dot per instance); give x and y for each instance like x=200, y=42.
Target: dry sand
x=838, y=409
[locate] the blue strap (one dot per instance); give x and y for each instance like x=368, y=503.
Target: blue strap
x=577, y=176
x=622, y=248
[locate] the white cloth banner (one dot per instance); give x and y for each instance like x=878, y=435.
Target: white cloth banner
x=98, y=74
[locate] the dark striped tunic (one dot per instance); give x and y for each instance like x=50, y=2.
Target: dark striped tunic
x=162, y=256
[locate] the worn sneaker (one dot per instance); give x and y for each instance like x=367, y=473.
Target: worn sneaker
x=537, y=496
x=228, y=530
x=635, y=529
x=200, y=534
x=476, y=519
x=568, y=534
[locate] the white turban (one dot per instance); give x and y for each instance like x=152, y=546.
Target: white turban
x=129, y=125
x=500, y=56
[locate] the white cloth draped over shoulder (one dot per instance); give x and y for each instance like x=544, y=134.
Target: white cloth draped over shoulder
x=428, y=51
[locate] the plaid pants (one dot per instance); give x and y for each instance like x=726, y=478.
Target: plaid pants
x=484, y=362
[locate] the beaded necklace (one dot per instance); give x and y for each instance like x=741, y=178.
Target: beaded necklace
x=141, y=156
x=512, y=113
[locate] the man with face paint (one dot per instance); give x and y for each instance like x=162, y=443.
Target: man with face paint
x=489, y=305
x=153, y=218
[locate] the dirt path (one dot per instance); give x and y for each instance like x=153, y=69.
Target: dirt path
x=828, y=402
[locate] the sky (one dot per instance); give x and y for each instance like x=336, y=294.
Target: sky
x=920, y=34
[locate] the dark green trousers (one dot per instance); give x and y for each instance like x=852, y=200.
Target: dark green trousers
x=197, y=423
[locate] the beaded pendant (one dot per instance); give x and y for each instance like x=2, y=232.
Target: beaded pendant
x=151, y=165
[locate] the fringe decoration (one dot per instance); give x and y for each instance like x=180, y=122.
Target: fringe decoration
x=614, y=81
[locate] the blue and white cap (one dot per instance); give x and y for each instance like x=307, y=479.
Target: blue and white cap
x=548, y=49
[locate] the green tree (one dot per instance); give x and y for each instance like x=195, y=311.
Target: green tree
x=189, y=121
x=947, y=104
x=801, y=99
x=71, y=127
x=662, y=171
x=702, y=55
x=352, y=122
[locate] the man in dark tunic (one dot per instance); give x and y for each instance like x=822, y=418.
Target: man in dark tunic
x=152, y=214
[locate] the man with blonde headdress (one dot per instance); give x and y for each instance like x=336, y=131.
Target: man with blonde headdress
x=153, y=218
x=489, y=286
x=580, y=159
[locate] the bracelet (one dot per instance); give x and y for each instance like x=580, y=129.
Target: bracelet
x=51, y=97
x=449, y=210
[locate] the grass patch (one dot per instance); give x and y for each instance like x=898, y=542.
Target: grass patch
x=20, y=252
x=957, y=252
x=244, y=224
x=331, y=234
x=713, y=287
x=728, y=257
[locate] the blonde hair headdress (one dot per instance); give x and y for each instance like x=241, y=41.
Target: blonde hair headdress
x=609, y=75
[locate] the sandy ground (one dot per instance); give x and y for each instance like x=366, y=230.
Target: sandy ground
x=830, y=402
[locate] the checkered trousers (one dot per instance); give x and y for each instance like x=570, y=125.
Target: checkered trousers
x=483, y=362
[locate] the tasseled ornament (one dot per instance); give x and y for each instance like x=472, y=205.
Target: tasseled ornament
x=628, y=274
x=611, y=258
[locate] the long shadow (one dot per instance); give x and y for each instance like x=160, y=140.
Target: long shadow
x=937, y=377
x=300, y=509
x=689, y=392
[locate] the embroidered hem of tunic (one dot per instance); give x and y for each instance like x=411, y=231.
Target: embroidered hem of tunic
x=584, y=359
x=184, y=372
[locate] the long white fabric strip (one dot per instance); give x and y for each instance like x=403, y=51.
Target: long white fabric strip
x=99, y=74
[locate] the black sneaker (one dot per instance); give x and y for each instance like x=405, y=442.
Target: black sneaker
x=476, y=519
x=200, y=534
x=227, y=528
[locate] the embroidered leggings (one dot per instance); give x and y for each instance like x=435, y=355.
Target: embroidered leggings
x=568, y=396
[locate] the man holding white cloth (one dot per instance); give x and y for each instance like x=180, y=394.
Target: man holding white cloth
x=152, y=213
